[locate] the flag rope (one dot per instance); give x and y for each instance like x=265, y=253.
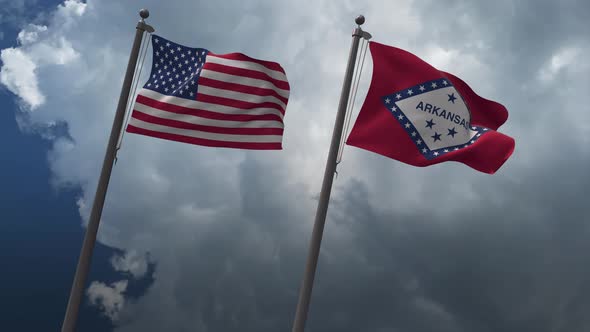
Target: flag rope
x=143, y=51
x=356, y=82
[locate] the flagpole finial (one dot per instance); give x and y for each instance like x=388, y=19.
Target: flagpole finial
x=144, y=13
x=360, y=20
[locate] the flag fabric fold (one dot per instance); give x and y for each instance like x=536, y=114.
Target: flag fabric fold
x=219, y=100
x=421, y=116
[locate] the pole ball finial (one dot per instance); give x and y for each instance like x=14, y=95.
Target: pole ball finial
x=144, y=13
x=360, y=20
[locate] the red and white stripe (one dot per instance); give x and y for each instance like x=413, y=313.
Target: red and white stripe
x=240, y=103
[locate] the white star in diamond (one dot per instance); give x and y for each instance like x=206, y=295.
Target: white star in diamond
x=434, y=85
x=410, y=92
x=393, y=109
x=401, y=117
x=422, y=88
x=436, y=153
x=387, y=100
x=414, y=134
x=398, y=96
x=407, y=125
x=424, y=150
x=419, y=142
x=445, y=83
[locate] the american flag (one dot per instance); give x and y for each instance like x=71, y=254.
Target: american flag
x=220, y=100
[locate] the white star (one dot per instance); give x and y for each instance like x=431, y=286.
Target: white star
x=196, y=64
x=407, y=125
x=154, y=76
x=422, y=88
x=186, y=62
x=175, y=58
x=174, y=86
x=387, y=100
x=436, y=153
x=446, y=150
x=179, y=65
x=419, y=142
x=410, y=92
x=485, y=129
x=472, y=142
x=178, y=48
x=163, y=82
x=456, y=149
x=186, y=87
x=445, y=82
x=162, y=60
x=166, y=55
x=157, y=86
x=191, y=94
x=166, y=89
x=183, y=72
x=167, y=44
x=478, y=135
x=414, y=134
x=171, y=51
x=167, y=73
x=193, y=58
x=393, y=109
x=193, y=82
x=156, y=40
x=157, y=53
x=161, y=76
x=424, y=150
x=161, y=48
x=156, y=65
x=174, y=70
x=466, y=145
x=170, y=79
x=149, y=84
x=433, y=85
x=401, y=117
x=398, y=96
x=177, y=76
x=155, y=81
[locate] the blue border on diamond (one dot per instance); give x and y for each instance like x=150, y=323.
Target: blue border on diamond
x=399, y=116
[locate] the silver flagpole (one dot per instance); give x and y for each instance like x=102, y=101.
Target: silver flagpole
x=82, y=270
x=320, y=218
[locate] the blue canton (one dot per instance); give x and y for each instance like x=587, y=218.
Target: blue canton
x=175, y=68
x=409, y=127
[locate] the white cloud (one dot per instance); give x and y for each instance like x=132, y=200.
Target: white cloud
x=131, y=262
x=109, y=299
x=18, y=75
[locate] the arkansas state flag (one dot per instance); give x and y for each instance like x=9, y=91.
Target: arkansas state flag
x=422, y=116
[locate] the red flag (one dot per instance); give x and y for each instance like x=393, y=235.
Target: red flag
x=422, y=116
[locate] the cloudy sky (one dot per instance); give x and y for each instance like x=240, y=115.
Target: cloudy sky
x=202, y=239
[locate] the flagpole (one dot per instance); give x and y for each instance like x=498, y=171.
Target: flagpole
x=83, y=268
x=322, y=210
